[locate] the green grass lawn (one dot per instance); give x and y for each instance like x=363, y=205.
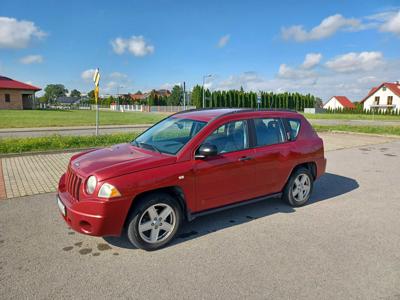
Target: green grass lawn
x=352, y=117
x=58, y=118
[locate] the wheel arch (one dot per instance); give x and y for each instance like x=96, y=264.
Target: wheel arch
x=311, y=166
x=175, y=191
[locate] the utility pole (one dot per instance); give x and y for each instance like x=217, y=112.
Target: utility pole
x=184, y=96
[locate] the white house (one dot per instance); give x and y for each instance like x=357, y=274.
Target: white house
x=341, y=102
x=384, y=96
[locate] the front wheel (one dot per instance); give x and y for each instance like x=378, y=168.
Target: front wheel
x=154, y=221
x=299, y=187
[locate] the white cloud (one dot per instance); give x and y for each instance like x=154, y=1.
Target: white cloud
x=247, y=80
x=311, y=60
x=18, y=34
x=118, y=75
x=136, y=45
x=392, y=24
x=351, y=62
x=323, y=82
x=293, y=73
x=223, y=41
x=31, y=59
x=87, y=75
x=326, y=28
x=169, y=86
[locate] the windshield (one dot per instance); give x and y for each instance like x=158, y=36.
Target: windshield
x=170, y=135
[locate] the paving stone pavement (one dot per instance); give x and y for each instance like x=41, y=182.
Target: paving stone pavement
x=33, y=174
x=36, y=174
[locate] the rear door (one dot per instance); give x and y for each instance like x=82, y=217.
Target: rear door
x=228, y=177
x=271, y=154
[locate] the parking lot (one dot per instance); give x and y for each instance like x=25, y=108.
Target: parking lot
x=344, y=244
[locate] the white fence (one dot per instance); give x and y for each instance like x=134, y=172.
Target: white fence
x=146, y=108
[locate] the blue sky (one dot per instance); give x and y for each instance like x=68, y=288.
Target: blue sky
x=334, y=48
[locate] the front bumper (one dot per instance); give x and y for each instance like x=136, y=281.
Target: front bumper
x=95, y=217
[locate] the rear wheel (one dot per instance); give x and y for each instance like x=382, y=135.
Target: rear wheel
x=154, y=222
x=299, y=187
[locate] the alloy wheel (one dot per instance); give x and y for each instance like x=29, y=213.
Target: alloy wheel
x=301, y=187
x=156, y=223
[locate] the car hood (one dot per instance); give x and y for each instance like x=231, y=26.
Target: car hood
x=118, y=160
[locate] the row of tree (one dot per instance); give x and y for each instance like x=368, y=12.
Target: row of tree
x=360, y=110
x=240, y=98
x=231, y=98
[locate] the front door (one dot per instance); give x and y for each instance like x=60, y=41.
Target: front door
x=27, y=101
x=229, y=176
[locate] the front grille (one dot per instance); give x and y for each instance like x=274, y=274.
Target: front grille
x=73, y=184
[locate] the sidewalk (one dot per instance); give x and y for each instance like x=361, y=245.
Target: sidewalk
x=37, y=174
x=31, y=175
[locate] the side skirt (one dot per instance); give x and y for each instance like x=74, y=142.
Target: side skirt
x=191, y=216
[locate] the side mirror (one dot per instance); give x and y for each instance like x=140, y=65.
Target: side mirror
x=206, y=150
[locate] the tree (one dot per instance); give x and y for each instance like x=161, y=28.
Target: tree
x=318, y=103
x=53, y=91
x=196, y=97
x=175, y=97
x=91, y=94
x=75, y=93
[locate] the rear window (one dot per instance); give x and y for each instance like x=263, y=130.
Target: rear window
x=269, y=131
x=294, y=128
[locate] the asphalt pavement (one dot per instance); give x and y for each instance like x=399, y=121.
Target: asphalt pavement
x=343, y=245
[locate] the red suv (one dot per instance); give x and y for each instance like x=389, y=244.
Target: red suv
x=190, y=164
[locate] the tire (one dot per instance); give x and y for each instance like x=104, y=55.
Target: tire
x=299, y=187
x=154, y=222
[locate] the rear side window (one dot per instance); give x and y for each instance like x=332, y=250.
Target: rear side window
x=294, y=128
x=269, y=131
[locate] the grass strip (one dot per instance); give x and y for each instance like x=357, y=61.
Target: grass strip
x=58, y=142
x=381, y=130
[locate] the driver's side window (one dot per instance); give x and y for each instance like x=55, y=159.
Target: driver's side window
x=232, y=136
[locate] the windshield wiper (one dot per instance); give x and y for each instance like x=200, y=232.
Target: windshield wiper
x=140, y=144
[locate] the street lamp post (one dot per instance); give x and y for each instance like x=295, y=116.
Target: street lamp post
x=204, y=79
x=118, y=87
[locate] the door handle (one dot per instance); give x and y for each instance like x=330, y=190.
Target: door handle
x=244, y=158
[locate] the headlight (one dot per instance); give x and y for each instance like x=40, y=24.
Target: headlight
x=91, y=184
x=108, y=191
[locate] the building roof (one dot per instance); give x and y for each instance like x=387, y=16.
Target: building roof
x=8, y=83
x=344, y=101
x=138, y=96
x=394, y=87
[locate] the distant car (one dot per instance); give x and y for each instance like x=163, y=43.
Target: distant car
x=190, y=164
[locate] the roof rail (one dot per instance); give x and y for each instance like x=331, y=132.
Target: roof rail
x=199, y=109
x=236, y=110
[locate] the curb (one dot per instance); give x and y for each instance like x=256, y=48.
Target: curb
x=3, y=194
x=7, y=155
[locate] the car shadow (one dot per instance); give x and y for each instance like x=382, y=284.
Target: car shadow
x=327, y=187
